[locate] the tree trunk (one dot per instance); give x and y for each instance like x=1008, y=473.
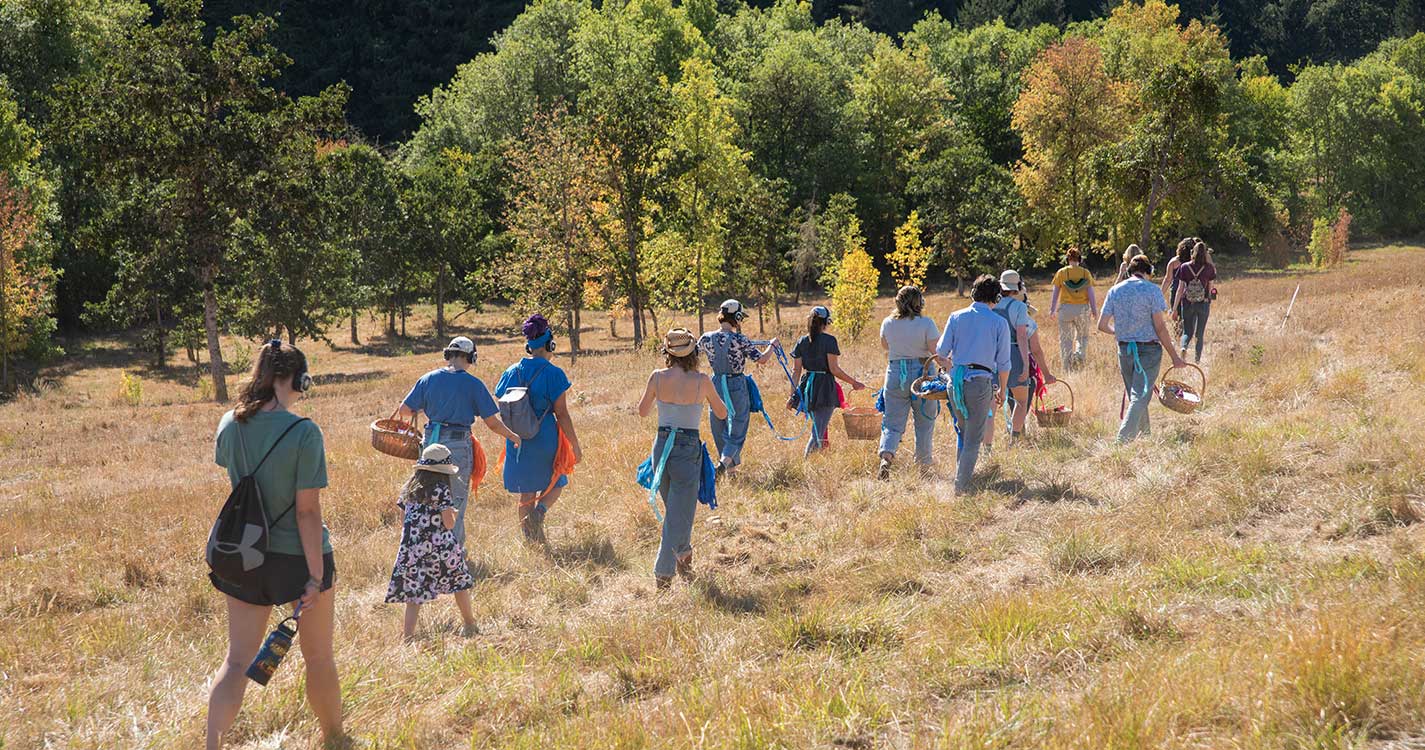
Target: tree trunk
x=1154, y=195
x=573, y=335
x=391, y=320
x=216, y=369
x=698, y=269
x=635, y=296
x=440, y=303
x=761, y=323
x=291, y=336
x=354, y=340
x=403, y=321
x=613, y=330
x=4, y=325
x=160, y=337
x=652, y=313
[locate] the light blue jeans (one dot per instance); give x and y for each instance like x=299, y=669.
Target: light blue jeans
x=463, y=455
x=730, y=445
x=1139, y=386
x=679, y=488
x=970, y=427
x=899, y=405
x=820, y=422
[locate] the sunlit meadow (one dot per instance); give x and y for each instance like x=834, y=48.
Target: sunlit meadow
x=1249, y=577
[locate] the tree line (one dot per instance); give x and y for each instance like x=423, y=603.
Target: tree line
x=644, y=156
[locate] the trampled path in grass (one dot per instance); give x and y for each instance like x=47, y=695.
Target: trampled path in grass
x=1250, y=576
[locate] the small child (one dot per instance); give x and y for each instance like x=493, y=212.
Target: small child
x=430, y=561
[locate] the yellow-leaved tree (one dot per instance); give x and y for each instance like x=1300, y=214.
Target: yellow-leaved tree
x=911, y=259
x=857, y=279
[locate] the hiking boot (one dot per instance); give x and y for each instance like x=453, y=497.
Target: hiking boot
x=685, y=567
x=884, y=473
x=663, y=582
x=533, y=526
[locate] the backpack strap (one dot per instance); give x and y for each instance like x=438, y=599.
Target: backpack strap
x=284, y=513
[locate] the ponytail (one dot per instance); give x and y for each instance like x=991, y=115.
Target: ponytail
x=275, y=361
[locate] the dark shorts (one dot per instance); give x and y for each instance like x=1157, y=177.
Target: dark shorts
x=280, y=580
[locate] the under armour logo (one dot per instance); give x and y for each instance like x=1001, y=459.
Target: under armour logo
x=251, y=556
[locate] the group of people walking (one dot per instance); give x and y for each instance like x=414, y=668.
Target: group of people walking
x=988, y=356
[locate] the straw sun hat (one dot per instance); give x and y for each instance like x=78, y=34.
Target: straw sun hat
x=680, y=342
x=436, y=458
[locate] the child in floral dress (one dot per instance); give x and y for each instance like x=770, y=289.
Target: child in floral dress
x=430, y=561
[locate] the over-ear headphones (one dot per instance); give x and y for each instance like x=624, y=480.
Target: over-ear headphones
x=301, y=379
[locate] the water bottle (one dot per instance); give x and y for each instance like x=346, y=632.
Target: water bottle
x=273, y=650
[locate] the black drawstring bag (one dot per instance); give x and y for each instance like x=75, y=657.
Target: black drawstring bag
x=237, y=544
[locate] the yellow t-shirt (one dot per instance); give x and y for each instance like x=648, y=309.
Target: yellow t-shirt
x=1073, y=283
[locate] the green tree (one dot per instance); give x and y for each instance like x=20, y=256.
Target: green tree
x=194, y=138
x=710, y=172
x=857, y=281
x=558, y=218
x=1068, y=110
x=367, y=222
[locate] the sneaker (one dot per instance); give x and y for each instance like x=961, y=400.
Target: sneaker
x=884, y=473
x=685, y=567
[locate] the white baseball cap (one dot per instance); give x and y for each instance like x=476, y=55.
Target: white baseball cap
x=461, y=344
x=1009, y=281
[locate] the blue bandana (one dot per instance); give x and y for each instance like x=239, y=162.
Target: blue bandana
x=540, y=340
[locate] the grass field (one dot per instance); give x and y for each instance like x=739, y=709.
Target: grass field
x=1250, y=577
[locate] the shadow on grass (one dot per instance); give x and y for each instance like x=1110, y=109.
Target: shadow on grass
x=588, y=549
x=738, y=601
x=1021, y=492
x=344, y=378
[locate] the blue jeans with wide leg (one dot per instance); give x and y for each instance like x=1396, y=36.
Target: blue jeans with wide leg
x=1139, y=373
x=899, y=405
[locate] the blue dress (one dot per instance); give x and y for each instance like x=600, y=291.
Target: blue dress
x=529, y=468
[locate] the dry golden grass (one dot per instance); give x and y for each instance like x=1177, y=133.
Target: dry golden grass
x=1249, y=577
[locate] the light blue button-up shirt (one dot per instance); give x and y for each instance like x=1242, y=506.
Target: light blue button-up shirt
x=976, y=335
x=1130, y=304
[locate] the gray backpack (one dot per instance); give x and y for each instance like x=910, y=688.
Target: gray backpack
x=518, y=412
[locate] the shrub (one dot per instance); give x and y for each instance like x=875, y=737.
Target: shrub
x=1340, y=239
x=241, y=359
x=857, y=279
x=911, y=259
x=130, y=389
x=1320, y=246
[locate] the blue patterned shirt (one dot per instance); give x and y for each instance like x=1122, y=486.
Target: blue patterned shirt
x=1131, y=304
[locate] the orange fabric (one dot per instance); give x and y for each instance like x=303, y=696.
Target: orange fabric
x=479, y=466
x=563, y=462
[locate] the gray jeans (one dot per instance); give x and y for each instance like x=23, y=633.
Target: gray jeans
x=679, y=488
x=1139, y=386
x=1073, y=334
x=899, y=405
x=970, y=428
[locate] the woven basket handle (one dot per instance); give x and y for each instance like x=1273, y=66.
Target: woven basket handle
x=415, y=419
x=1065, y=383
x=1200, y=374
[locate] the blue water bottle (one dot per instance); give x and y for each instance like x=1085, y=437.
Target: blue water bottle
x=274, y=649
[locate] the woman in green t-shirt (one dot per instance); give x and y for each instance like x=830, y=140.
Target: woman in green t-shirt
x=298, y=566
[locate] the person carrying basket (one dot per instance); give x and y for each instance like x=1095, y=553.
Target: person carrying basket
x=452, y=398
x=1133, y=313
x=909, y=338
x=815, y=371
x=974, y=348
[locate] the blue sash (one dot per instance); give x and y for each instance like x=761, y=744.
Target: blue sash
x=651, y=477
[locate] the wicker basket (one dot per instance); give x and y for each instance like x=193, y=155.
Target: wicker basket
x=862, y=423
x=932, y=371
x=1058, y=416
x=1179, y=396
x=396, y=438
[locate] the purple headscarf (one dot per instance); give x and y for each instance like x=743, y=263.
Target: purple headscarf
x=534, y=327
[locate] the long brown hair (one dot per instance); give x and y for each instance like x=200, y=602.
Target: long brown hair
x=910, y=303
x=418, y=488
x=1185, y=249
x=275, y=361
x=1199, y=254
